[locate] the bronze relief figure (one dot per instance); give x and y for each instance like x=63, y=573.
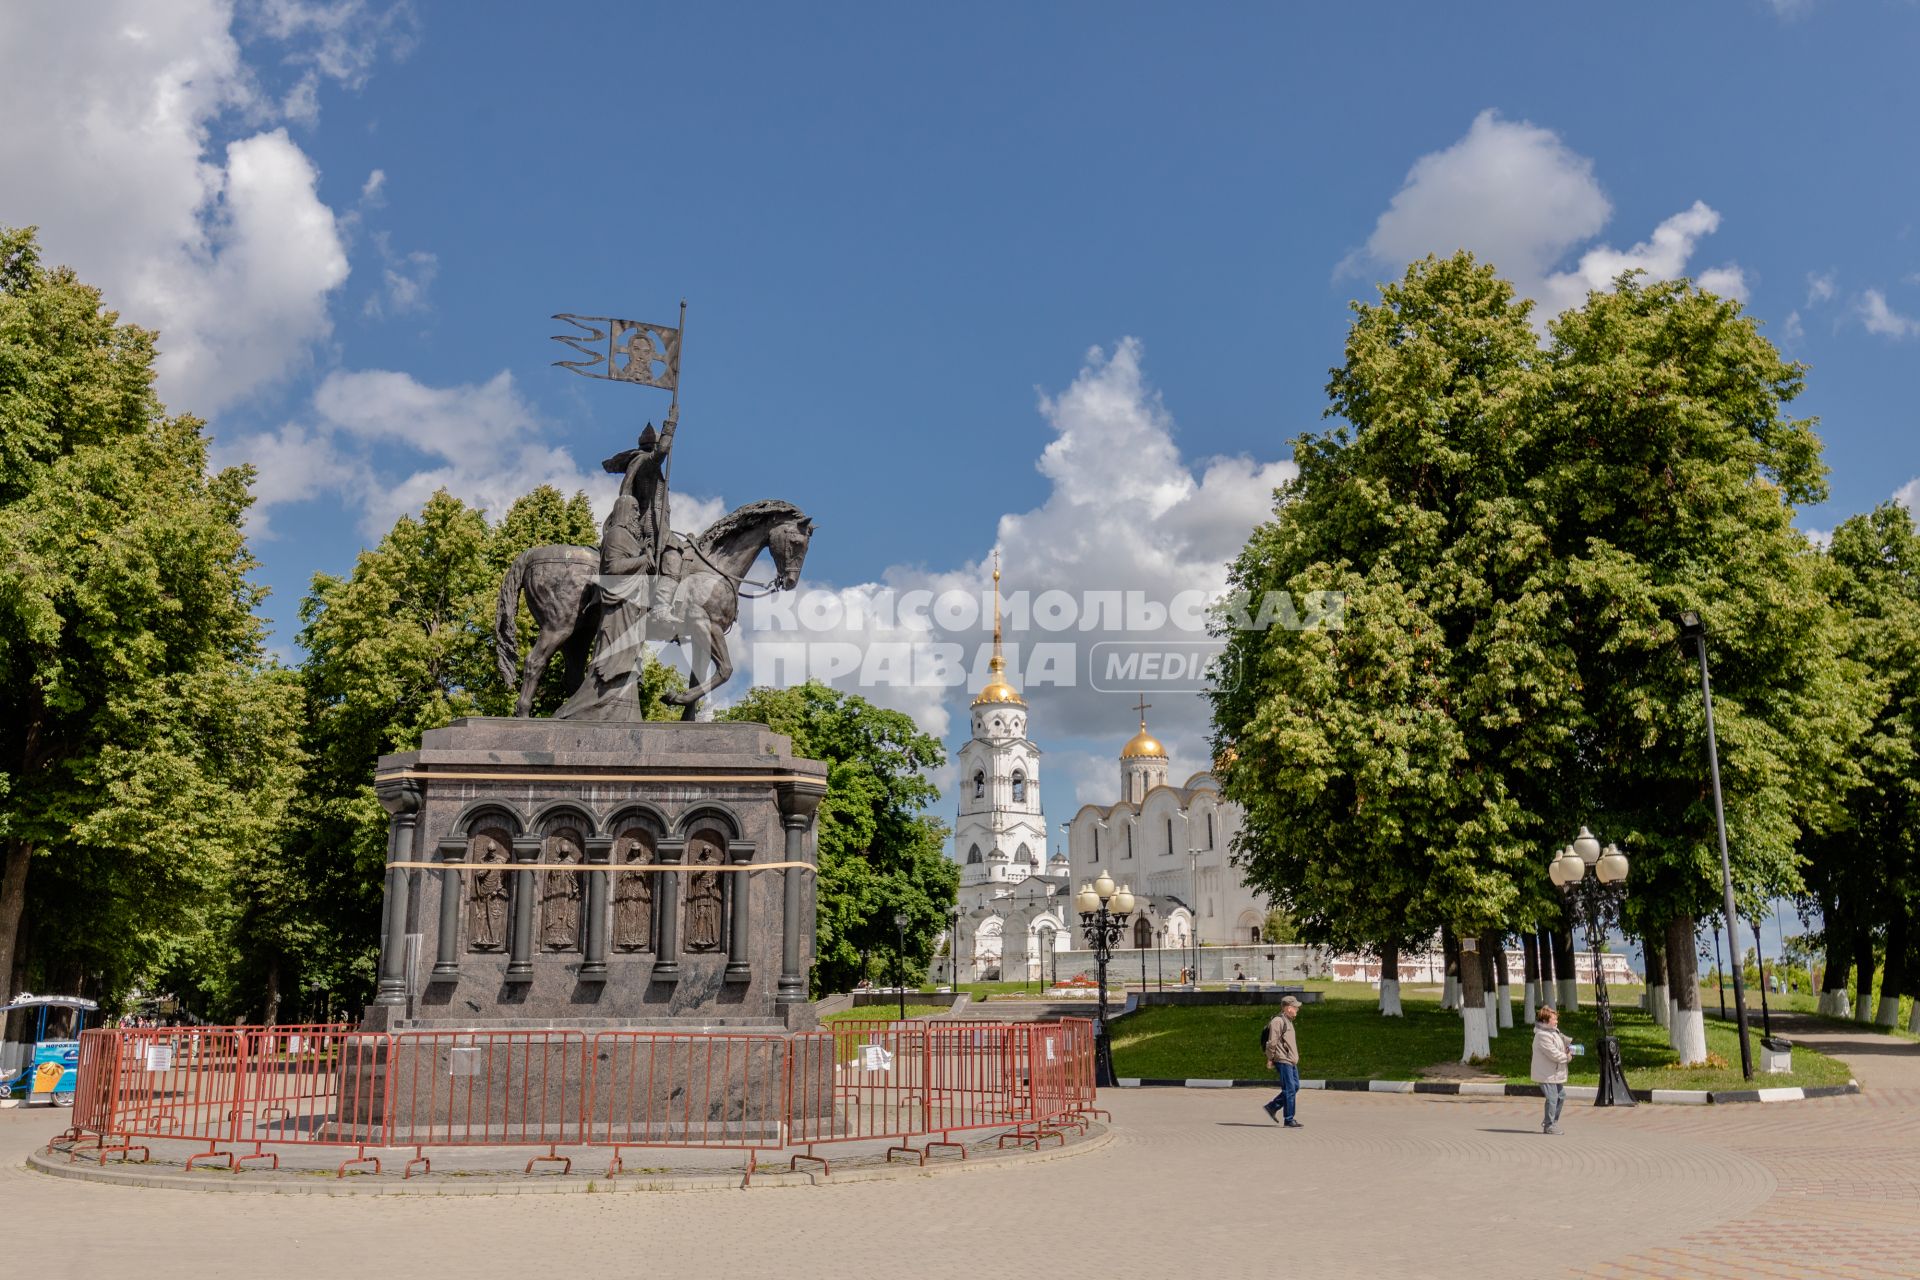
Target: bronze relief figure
x=703, y=895
x=633, y=892
x=487, y=891
x=560, y=893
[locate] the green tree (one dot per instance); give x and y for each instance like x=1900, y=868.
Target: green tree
x=880, y=851
x=140, y=748
x=1672, y=473
x=1864, y=872
x=1515, y=531
x=1392, y=769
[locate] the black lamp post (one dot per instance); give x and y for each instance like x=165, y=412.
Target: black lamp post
x=1103, y=914
x=900, y=960
x=953, y=944
x=1693, y=629
x=1595, y=902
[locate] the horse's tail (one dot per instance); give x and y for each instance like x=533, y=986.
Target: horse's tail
x=506, y=622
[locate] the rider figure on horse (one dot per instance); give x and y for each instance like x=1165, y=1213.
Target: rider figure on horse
x=637, y=539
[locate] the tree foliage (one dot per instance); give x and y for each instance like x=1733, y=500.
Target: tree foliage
x=143, y=745
x=1515, y=528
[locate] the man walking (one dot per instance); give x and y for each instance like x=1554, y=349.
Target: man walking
x=1283, y=1055
x=1551, y=1053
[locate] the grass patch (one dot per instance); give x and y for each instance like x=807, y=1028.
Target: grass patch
x=1343, y=1037
x=884, y=1012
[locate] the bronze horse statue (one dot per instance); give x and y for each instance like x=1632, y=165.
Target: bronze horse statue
x=562, y=589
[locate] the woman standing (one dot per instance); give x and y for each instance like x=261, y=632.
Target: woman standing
x=1552, y=1051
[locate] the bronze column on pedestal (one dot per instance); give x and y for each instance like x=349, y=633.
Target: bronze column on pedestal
x=667, y=902
x=400, y=797
x=739, y=894
x=599, y=853
x=797, y=807
x=526, y=885
x=446, y=952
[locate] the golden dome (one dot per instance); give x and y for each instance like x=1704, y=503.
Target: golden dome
x=997, y=690
x=1143, y=745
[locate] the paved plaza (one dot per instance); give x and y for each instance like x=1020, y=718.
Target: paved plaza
x=1194, y=1183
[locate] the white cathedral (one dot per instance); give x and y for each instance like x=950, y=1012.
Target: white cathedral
x=1170, y=844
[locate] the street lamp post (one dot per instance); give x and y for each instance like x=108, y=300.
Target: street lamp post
x=1595, y=902
x=1693, y=629
x=1103, y=914
x=900, y=960
x=953, y=942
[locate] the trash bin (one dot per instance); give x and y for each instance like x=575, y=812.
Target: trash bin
x=1776, y=1055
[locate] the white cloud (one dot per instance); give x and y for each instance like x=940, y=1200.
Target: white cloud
x=382, y=442
x=226, y=248
x=1125, y=511
x=1792, y=327
x=1881, y=318
x=1820, y=286
x=340, y=41
x=1518, y=197
x=1906, y=494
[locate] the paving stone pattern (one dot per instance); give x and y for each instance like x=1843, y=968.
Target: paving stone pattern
x=1193, y=1183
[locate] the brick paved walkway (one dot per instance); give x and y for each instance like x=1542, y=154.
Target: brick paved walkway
x=1193, y=1185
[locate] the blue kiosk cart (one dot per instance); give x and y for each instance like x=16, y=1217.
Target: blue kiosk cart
x=40, y=1047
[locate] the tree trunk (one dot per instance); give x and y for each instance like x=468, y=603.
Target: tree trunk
x=1489, y=987
x=1503, y=1004
x=272, y=1014
x=1565, y=969
x=1656, y=999
x=1863, y=974
x=1390, y=982
x=1833, y=983
x=13, y=909
x=1893, y=983
x=1689, y=1026
x=1450, y=957
x=1530, y=971
x=1473, y=1010
x=1544, y=945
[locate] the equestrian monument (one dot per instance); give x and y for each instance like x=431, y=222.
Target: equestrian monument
x=595, y=869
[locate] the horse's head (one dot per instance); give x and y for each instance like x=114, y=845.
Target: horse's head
x=788, y=543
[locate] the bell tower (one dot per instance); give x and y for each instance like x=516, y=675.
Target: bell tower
x=1000, y=837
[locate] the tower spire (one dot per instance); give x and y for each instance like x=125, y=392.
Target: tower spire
x=997, y=664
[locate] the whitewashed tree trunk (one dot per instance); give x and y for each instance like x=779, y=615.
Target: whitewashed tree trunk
x=1690, y=1036
x=1889, y=1010
x=1533, y=994
x=1504, y=1004
x=1569, y=995
x=1493, y=1016
x=1390, y=998
x=1913, y=1019
x=1658, y=1006
x=1842, y=1005
x=1477, y=1043
x=1450, y=994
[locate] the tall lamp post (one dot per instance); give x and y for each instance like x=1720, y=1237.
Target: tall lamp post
x=953, y=944
x=1595, y=902
x=1693, y=629
x=900, y=960
x=1103, y=914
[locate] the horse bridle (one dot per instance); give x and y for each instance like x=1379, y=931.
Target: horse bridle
x=740, y=584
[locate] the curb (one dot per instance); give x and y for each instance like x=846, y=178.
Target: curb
x=218, y=1181
x=1487, y=1089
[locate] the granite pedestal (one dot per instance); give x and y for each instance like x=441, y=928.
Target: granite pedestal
x=585, y=877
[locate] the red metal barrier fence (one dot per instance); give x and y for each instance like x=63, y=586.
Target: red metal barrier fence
x=231, y=1088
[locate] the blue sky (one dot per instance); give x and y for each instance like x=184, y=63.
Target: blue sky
x=903, y=232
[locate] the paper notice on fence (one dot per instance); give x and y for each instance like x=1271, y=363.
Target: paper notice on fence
x=875, y=1058
x=159, y=1057
x=1050, y=1057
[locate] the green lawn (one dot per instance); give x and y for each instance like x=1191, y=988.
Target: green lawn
x=884, y=1012
x=1343, y=1037
x=1795, y=1002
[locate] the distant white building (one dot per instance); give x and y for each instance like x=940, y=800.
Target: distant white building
x=1013, y=898
x=1171, y=845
